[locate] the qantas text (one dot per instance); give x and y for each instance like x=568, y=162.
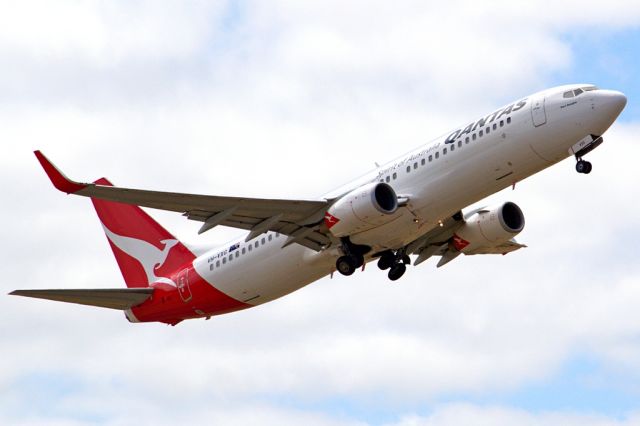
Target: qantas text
x=502, y=112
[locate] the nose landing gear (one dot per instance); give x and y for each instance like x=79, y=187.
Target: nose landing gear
x=582, y=148
x=583, y=166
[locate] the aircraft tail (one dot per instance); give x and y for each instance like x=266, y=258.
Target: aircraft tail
x=146, y=252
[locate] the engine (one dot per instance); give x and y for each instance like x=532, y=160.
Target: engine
x=489, y=227
x=363, y=208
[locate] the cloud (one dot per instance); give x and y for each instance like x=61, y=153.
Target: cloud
x=457, y=414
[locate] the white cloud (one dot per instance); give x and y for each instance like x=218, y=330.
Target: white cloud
x=460, y=414
x=108, y=32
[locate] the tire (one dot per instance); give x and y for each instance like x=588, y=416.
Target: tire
x=358, y=260
x=346, y=265
x=386, y=261
x=581, y=166
x=589, y=166
x=397, y=271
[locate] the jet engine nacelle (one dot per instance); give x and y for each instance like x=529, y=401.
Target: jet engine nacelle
x=363, y=208
x=489, y=227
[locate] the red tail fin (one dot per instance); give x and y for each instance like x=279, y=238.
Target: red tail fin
x=146, y=252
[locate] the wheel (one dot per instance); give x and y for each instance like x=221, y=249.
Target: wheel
x=346, y=265
x=358, y=260
x=397, y=271
x=406, y=259
x=583, y=167
x=386, y=261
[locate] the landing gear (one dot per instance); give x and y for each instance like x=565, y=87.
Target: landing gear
x=346, y=265
x=387, y=260
x=583, y=166
x=353, y=257
x=397, y=271
x=395, y=262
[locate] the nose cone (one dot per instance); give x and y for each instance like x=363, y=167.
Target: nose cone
x=611, y=103
x=607, y=106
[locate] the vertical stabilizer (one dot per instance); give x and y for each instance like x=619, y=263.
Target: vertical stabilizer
x=146, y=252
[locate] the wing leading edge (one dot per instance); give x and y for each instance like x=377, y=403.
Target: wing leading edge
x=301, y=220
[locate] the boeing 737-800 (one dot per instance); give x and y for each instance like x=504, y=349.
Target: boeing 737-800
x=411, y=206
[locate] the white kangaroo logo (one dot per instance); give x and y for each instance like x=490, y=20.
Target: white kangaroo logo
x=149, y=256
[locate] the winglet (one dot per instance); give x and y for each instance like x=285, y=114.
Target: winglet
x=59, y=180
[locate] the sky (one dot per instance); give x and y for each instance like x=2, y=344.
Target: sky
x=290, y=99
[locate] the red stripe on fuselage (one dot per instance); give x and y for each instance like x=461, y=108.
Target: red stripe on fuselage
x=198, y=299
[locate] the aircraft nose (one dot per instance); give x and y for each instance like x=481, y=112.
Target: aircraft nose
x=611, y=102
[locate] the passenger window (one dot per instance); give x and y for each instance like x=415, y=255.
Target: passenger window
x=230, y=257
x=460, y=143
x=508, y=120
x=263, y=241
x=217, y=264
x=495, y=126
x=423, y=161
x=444, y=151
x=474, y=136
x=244, y=250
x=488, y=130
x=211, y=266
x=466, y=140
x=408, y=169
x=430, y=158
x=415, y=165
x=453, y=147
x=501, y=123
x=387, y=179
x=270, y=237
x=224, y=260
x=250, y=247
x=480, y=133
x=437, y=155
x=237, y=254
x=395, y=175
x=257, y=244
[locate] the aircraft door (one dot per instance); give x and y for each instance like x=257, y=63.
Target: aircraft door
x=538, y=113
x=183, y=285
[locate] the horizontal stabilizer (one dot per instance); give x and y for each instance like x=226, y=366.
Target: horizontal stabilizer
x=113, y=298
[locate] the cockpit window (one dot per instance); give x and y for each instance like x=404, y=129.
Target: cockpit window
x=579, y=91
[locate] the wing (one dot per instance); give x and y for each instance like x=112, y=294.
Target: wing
x=113, y=298
x=301, y=220
x=438, y=242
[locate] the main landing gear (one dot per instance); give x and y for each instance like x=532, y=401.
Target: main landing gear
x=396, y=263
x=353, y=257
x=583, y=166
x=348, y=264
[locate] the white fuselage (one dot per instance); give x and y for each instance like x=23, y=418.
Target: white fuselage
x=439, y=179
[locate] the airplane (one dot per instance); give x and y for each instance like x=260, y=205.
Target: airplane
x=411, y=206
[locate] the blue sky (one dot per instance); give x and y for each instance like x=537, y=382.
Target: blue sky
x=236, y=98
x=608, y=58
